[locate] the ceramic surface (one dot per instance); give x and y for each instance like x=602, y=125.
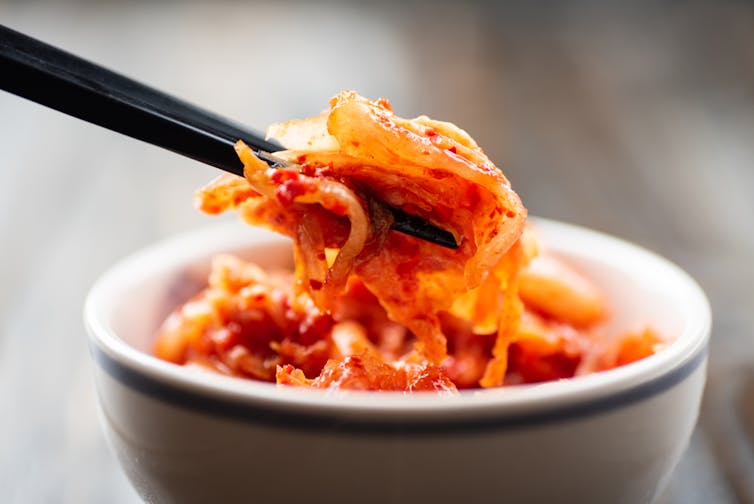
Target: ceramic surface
x=187, y=436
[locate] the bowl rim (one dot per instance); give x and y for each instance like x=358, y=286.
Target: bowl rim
x=512, y=406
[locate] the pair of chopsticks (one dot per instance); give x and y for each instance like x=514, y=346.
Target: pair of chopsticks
x=59, y=80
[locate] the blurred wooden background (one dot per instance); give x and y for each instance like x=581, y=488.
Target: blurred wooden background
x=637, y=120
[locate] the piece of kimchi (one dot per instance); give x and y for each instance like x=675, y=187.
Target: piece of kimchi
x=368, y=307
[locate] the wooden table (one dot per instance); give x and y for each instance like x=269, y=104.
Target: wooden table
x=638, y=121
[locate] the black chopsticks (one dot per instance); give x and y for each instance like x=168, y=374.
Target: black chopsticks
x=59, y=80
x=64, y=82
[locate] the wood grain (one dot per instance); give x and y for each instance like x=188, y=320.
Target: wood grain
x=635, y=120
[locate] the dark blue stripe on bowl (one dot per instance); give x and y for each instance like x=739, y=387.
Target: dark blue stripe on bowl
x=342, y=424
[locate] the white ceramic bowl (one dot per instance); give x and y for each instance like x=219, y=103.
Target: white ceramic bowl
x=186, y=436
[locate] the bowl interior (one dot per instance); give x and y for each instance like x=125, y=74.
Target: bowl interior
x=127, y=305
x=165, y=289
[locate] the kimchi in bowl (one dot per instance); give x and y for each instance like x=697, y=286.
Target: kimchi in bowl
x=185, y=435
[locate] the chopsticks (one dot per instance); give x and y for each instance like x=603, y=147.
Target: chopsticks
x=59, y=80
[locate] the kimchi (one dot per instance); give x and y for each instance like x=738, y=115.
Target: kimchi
x=369, y=308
